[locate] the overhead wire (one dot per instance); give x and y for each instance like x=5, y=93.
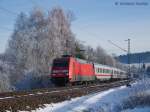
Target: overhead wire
x=117, y=46
x=8, y=11
x=5, y=28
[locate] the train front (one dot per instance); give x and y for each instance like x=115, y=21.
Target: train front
x=60, y=71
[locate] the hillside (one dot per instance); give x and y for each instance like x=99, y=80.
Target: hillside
x=143, y=57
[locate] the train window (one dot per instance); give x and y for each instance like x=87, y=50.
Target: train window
x=111, y=71
x=100, y=70
x=117, y=72
x=106, y=71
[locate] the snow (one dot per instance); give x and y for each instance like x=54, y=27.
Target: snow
x=6, y=98
x=106, y=101
x=90, y=102
x=138, y=109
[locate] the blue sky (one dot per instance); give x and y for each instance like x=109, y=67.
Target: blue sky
x=97, y=21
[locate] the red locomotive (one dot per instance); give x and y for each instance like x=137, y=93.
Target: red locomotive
x=74, y=70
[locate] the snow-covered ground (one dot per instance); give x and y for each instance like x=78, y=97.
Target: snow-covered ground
x=107, y=101
x=138, y=109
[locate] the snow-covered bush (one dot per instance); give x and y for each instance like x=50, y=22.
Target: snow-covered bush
x=4, y=78
x=4, y=82
x=32, y=81
x=137, y=100
x=136, y=96
x=139, y=96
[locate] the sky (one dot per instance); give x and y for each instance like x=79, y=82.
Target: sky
x=96, y=21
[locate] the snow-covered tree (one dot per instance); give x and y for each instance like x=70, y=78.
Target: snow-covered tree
x=38, y=39
x=103, y=58
x=59, y=28
x=17, y=47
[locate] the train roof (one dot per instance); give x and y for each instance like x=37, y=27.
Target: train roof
x=86, y=61
x=106, y=66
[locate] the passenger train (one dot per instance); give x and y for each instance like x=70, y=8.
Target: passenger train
x=68, y=69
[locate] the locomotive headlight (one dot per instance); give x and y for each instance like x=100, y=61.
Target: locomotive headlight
x=53, y=74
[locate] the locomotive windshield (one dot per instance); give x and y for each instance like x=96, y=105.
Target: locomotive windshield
x=61, y=63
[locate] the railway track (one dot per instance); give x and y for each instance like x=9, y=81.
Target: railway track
x=30, y=100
